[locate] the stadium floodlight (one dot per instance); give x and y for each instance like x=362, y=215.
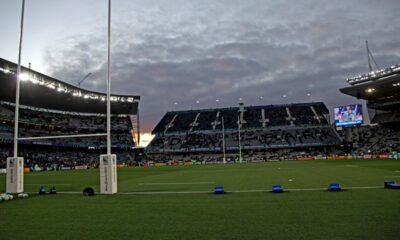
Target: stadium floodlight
x=34, y=81
x=374, y=75
x=23, y=77
x=370, y=90
x=5, y=70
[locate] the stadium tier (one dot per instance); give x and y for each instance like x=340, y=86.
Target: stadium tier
x=50, y=108
x=263, y=128
x=253, y=117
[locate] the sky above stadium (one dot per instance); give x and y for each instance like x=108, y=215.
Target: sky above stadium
x=179, y=54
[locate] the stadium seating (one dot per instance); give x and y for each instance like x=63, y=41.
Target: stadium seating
x=380, y=139
x=253, y=117
x=263, y=128
x=61, y=152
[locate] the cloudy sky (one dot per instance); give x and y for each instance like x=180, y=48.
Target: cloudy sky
x=194, y=52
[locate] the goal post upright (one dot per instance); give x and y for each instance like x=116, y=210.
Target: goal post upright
x=108, y=162
x=15, y=164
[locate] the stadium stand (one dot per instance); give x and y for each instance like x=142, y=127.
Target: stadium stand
x=378, y=139
x=381, y=90
x=50, y=107
x=263, y=128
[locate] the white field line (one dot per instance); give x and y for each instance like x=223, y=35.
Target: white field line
x=363, y=187
x=177, y=183
x=391, y=176
x=232, y=191
x=53, y=184
x=152, y=193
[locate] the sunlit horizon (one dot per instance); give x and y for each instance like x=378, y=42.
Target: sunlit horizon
x=145, y=139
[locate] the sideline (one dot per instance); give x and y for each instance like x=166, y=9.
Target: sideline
x=232, y=191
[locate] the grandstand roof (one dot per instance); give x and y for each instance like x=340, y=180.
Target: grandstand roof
x=388, y=86
x=39, y=90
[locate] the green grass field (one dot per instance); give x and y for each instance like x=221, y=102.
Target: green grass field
x=177, y=203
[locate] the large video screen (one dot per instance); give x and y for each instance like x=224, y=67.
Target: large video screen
x=348, y=115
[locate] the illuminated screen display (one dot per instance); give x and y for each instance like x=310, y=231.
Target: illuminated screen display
x=348, y=115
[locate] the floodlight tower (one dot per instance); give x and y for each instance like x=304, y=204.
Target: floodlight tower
x=15, y=164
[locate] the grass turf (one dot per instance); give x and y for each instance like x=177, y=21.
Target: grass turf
x=351, y=214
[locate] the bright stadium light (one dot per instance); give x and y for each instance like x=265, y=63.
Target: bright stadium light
x=34, y=81
x=370, y=90
x=5, y=70
x=374, y=75
x=23, y=77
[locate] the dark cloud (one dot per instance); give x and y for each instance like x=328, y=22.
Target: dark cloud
x=177, y=51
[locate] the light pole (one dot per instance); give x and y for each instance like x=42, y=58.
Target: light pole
x=223, y=139
x=241, y=108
